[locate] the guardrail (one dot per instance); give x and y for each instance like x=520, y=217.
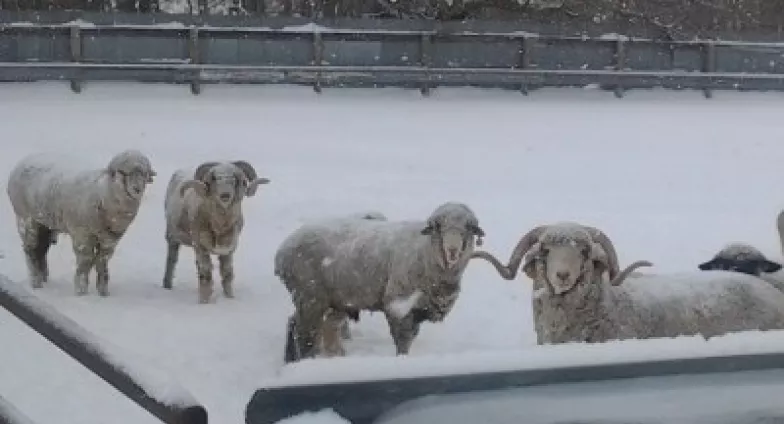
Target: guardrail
x=346, y=57
x=162, y=398
x=10, y=415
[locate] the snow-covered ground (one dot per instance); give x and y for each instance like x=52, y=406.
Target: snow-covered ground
x=671, y=177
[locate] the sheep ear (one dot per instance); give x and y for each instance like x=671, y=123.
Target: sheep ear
x=476, y=230
x=198, y=187
x=529, y=261
x=251, y=190
x=769, y=266
x=428, y=230
x=151, y=176
x=599, y=258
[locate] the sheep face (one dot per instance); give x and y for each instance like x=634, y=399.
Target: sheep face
x=226, y=183
x=452, y=228
x=564, y=262
x=753, y=267
x=130, y=172
x=742, y=258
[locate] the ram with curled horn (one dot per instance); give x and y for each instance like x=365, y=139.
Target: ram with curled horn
x=573, y=303
x=524, y=249
x=204, y=211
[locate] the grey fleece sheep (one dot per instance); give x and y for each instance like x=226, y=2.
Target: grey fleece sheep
x=576, y=305
x=204, y=211
x=409, y=270
x=95, y=207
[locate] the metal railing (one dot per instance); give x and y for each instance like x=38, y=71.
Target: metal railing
x=177, y=407
x=344, y=57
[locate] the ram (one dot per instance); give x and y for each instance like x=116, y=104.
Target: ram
x=575, y=304
x=409, y=270
x=203, y=209
x=94, y=207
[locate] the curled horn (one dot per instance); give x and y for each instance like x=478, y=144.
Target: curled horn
x=627, y=271
x=201, y=171
x=612, y=256
x=253, y=179
x=510, y=271
x=247, y=168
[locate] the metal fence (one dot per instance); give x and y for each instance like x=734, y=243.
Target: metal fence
x=346, y=56
x=71, y=338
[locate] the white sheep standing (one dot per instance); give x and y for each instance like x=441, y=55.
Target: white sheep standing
x=575, y=304
x=203, y=209
x=409, y=270
x=95, y=207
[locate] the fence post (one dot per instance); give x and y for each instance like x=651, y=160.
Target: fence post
x=10, y=415
x=76, y=56
x=193, y=55
x=620, y=63
x=526, y=53
x=318, y=57
x=425, y=44
x=708, y=49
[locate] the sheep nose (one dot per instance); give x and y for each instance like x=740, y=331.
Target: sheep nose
x=563, y=275
x=225, y=197
x=452, y=253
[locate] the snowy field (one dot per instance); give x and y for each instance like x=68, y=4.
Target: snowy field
x=671, y=177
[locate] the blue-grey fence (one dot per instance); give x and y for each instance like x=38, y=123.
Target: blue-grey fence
x=402, y=54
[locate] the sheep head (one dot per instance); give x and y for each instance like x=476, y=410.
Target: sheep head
x=132, y=171
x=563, y=255
x=452, y=228
x=742, y=258
x=227, y=183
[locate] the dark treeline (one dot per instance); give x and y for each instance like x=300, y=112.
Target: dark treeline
x=672, y=17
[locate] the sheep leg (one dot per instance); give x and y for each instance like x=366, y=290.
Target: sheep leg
x=226, y=267
x=403, y=332
x=104, y=252
x=36, y=240
x=331, y=333
x=172, y=256
x=84, y=249
x=345, y=331
x=309, y=323
x=204, y=267
x=291, y=352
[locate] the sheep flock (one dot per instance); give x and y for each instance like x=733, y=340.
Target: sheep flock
x=409, y=270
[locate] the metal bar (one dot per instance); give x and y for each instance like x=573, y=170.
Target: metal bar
x=401, y=69
x=10, y=415
x=526, y=55
x=708, y=63
x=76, y=56
x=193, y=55
x=388, y=76
x=620, y=63
x=363, y=402
x=82, y=346
x=318, y=58
x=425, y=59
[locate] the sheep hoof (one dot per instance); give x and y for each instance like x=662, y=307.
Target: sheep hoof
x=103, y=291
